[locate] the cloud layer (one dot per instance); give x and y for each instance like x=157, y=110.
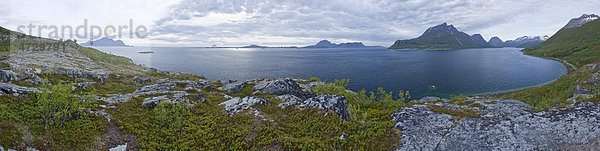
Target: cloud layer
x=378, y=22
x=304, y=22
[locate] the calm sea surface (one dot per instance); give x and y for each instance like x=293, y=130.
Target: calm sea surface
x=468, y=71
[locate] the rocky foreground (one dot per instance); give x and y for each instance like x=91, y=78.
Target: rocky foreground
x=430, y=124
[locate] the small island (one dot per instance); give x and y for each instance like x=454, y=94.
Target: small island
x=105, y=42
x=328, y=44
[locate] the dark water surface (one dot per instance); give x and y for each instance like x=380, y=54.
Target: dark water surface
x=468, y=71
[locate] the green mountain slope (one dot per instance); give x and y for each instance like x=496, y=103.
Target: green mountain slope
x=440, y=37
x=578, y=46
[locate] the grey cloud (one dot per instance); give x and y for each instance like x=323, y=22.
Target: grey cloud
x=381, y=21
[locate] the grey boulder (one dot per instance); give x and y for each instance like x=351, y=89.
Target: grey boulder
x=237, y=104
x=234, y=87
x=281, y=87
x=11, y=89
x=7, y=75
x=153, y=101
x=336, y=103
x=119, y=148
x=82, y=85
x=141, y=80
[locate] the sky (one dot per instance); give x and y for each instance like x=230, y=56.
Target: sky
x=291, y=22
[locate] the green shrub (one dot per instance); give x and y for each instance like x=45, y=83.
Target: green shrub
x=57, y=104
x=359, y=102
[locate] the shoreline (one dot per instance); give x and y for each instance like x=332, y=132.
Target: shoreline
x=570, y=69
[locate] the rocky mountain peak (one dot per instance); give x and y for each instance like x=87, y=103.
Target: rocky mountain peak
x=478, y=38
x=532, y=38
x=577, y=22
x=444, y=27
x=495, y=41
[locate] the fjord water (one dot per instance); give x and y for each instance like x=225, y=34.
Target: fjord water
x=452, y=72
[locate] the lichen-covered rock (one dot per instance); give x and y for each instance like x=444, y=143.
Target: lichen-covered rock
x=79, y=73
x=82, y=85
x=192, y=89
x=100, y=113
x=336, y=103
x=141, y=80
x=281, y=87
x=504, y=126
x=11, y=89
x=119, y=148
x=32, y=78
x=202, y=84
x=117, y=98
x=161, y=87
x=153, y=101
x=225, y=82
x=180, y=95
x=261, y=85
x=288, y=99
x=237, y=104
x=421, y=128
x=234, y=87
x=504, y=107
x=429, y=99
x=7, y=75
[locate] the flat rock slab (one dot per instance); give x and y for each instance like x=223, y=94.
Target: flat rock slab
x=505, y=126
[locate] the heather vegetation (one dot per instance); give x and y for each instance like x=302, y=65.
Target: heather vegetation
x=207, y=126
x=54, y=118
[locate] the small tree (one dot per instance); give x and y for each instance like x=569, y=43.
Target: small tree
x=182, y=112
x=57, y=104
x=161, y=114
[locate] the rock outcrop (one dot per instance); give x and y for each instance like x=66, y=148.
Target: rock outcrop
x=7, y=75
x=237, y=104
x=11, y=89
x=153, y=101
x=281, y=87
x=162, y=87
x=82, y=85
x=119, y=148
x=336, y=103
x=141, y=80
x=234, y=87
x=504, y=125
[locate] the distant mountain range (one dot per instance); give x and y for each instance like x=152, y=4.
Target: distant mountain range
x=105, y=42
x=442, y=37
x=521, y=42
x=320, y=44
x=328, y=44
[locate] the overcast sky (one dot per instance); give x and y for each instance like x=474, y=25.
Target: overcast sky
x=297, y=22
